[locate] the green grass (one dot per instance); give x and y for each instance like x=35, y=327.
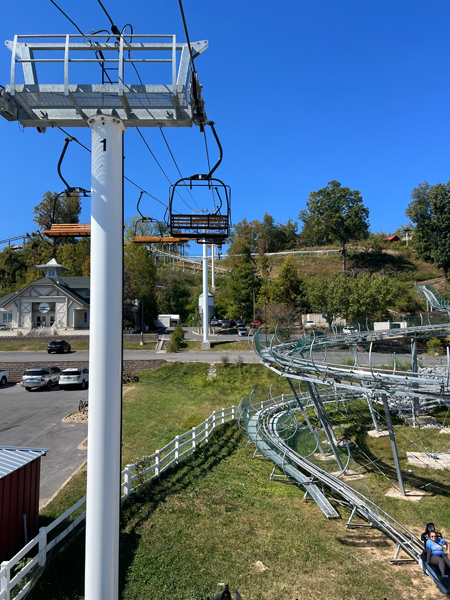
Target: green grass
x=213, y=517
x=230, y=345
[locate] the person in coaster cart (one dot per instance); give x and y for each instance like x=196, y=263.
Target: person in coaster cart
x=435, y=553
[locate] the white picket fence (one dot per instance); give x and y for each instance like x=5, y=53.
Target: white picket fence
x=133, y=476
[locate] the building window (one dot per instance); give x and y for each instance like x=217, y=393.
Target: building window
x=50, y=272
x=86, y=318
x=7, y=317
x=52, y=320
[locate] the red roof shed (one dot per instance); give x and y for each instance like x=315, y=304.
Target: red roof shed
x=20, y=470
x=392, y=238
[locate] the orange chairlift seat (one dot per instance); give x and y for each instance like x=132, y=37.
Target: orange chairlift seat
x=69, y=230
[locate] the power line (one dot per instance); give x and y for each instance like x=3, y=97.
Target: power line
x=68, y=18
x=126, y=178
x=186, y=33
x=157, y=162
x=173, y=158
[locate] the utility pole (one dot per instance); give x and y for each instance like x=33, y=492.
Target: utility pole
x=213, y=280
x=105, y=360
x=206, y=344
x=142, y=323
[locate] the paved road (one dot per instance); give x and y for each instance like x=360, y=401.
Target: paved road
x=34, y=420
x=249, y=356
x=83, y=355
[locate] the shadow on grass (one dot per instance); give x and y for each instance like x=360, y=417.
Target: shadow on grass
x=63, y=578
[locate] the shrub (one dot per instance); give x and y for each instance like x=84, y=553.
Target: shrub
x=434, y=346
x=225, y=360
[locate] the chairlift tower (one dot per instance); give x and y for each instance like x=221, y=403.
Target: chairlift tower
x=108, y=110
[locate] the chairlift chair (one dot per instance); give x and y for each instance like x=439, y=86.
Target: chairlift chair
x=209, y=226
x=68, y=229
x=153, y=239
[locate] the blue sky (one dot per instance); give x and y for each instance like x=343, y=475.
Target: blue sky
x=302, y=93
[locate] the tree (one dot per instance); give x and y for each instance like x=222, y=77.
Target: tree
x=440, y=208
x=420, y=213
x=243, y=281
x=63, y=209
x=140, y=280
x=352, y=298
x=75, y=256
x=337, y=213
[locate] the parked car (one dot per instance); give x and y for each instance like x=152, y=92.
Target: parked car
x=4, y=376
x=215, y=322
x=232, y=323
x=242, y=331
x=58, y=346
x=255, y=324
x=240, y=323
x=74, y=377
x=309, y=324
x=226, y=322
x=40, y=377
x=348, y=329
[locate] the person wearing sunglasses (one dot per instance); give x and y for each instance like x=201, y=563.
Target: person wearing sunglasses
x=435, y=553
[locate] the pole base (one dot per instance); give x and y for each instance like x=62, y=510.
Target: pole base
x=206, y=345
x=141, y=343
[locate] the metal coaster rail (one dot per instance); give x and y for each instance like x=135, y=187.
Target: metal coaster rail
x=307, y=359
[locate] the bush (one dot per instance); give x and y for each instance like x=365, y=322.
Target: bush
x=434, y=346
x=176, y=337
x=225, y=360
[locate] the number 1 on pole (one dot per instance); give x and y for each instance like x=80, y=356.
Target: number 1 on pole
x=104, y=144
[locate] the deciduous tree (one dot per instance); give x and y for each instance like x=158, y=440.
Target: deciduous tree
x=337, y=213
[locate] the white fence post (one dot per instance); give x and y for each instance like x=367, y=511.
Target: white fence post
x=43, y=546
x=223, y=416
x=177, y=445
x=127, y=480
x=213, y=416
x=193, y=438
x=207, y=430
x=233, y=413
x=157, y=463
x=5, y=578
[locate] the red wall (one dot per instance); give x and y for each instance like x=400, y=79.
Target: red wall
x=19, y=495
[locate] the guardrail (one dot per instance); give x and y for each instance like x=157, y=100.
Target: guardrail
x=134, y=476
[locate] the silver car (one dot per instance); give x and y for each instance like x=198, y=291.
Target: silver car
x=74, y=377
x=41, y=377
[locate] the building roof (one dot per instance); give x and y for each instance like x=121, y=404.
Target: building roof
x=52, y=264
x=391, y=238
x=13, y=458
x=68, y=285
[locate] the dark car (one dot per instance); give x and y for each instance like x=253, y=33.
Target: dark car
x=58, y=346
x=240, y=323
x=232, y=323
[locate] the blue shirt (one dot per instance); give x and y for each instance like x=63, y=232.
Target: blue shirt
x=436, y=546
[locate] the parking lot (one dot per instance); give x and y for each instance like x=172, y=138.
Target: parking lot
x=34, y=420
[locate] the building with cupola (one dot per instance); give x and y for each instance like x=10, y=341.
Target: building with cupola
x=55, y=301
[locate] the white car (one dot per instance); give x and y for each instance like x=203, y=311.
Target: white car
x=309, y=324
x=74, y=377
x=348, y=330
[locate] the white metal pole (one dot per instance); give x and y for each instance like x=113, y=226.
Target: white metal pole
x=105, y=361
x=213, y=279
x=205, y=343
